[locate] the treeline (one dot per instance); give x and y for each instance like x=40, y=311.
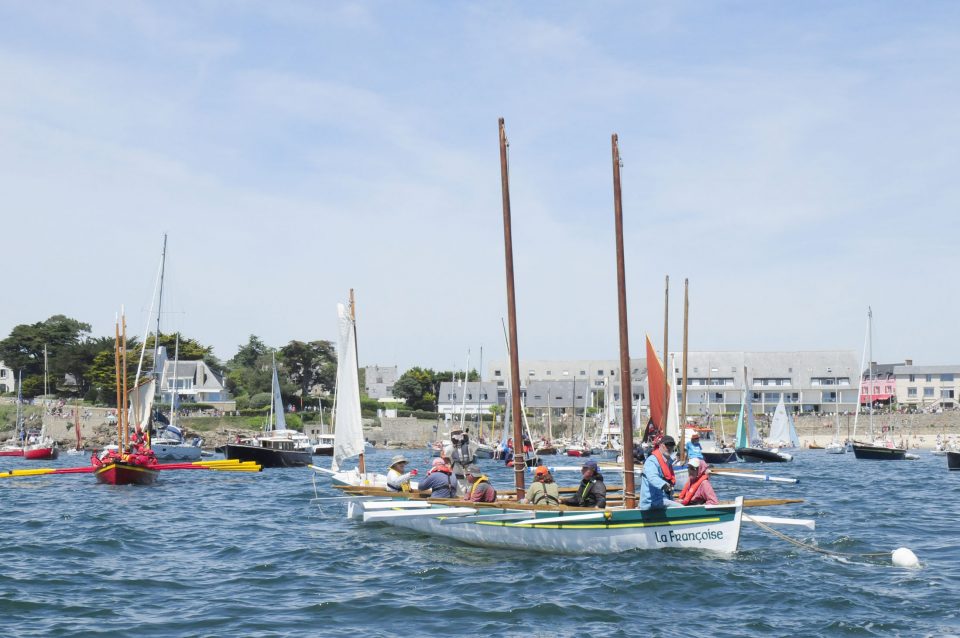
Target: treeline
x=421, y=386
x=81, y=365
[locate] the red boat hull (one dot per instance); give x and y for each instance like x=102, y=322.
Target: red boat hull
x=577, y=453
x=17, y=452
x=41, y=453
x=120, y=473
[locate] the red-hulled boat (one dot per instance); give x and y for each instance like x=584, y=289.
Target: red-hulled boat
x=11, y=450
x=41, y=452
x=114, y=471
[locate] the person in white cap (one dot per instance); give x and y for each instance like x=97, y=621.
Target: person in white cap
x=698, y=490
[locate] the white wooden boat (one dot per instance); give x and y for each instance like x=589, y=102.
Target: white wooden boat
x=704, y=527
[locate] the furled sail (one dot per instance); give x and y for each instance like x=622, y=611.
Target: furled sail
x=673, y=412
x=281, y=423
x=348, y=436
x=141, y=403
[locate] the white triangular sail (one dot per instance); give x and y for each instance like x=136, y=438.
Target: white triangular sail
x=780, y=426
x=141, y=403
x=348, y=435
x=281, y=423
x=794, y=439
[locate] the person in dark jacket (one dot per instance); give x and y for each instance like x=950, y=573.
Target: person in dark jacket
x=592, y=492
x=440, y=480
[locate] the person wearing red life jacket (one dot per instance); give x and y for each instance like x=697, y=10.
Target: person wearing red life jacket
x=698, y=490
x=658, y=479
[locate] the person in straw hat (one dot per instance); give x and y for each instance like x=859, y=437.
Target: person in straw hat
x=398, y=479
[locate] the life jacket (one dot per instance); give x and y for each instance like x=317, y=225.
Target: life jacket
x=582, y=495
x=544, y=496
x=482, y=479
x=686, y=494
x=665, y=467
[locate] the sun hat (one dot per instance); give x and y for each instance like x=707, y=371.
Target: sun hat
x=473, y=470
x=695, y=435
x=399, y=458
x=694, y=462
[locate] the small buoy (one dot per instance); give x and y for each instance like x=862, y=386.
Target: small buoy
x=903, y=557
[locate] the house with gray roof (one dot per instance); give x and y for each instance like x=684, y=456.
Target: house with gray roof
x=193, y=382
x=8, y=381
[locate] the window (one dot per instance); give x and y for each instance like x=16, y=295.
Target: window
x=579, y=396
x=558, y=398
x=3, y=387
x=532, y=373
x=599, y=373
x=483, y=397
x=549, y=373
x=583, y=373
x=929, y=378
x=499, y=384
x=3, y=374
x=947, y=377
x=718, y=397
x=928, y=392
x=912, y=392
x=496, y=373
x=946, y=393
x=536, y=396
x=913, y=378
x=566, y=373
x=469, y=397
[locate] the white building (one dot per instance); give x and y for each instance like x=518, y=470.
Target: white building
x=927, y=387
x=193, y=382
x=8, y=380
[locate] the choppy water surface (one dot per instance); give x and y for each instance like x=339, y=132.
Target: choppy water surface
x=216, y=554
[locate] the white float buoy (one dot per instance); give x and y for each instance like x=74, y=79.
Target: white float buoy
x=903, y=557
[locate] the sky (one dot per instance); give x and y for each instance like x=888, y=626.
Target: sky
x=797, y=162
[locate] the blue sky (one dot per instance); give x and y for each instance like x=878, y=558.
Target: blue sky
x=796, y=161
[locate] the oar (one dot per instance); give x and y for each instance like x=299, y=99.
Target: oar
x=41, y=471
x=246, y=466
x=760, y=477
x=775, y=520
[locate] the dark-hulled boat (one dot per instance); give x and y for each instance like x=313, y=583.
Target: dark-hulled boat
x=953, y=460
x=759, y=455
x=720, y=456
x=269, y=452
x=878, y=452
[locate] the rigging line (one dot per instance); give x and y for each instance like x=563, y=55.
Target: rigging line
x=813, y=548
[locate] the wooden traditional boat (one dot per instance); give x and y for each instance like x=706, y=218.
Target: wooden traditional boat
x=815, y=446
x=119, y=472
x=878, y=452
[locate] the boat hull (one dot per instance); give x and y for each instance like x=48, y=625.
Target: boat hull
x=323, y=450
x=712, y=528
x=268, y=457
x=120, y=473
x=720, y=457
x=953, y=460
x=176, y=452
x=758, y=455
x=45, y=453
x=14, y=452
x=878, y=453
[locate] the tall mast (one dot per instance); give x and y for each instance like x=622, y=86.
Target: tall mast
x=126, y=412
x=518, y=468
x=683, y=394
x=46, y=390
x=626, y=391
x=116, y=368
x=870, y=376
x=479, y=390
x=173, y=393
x=463, y=399
x=361, y=462
x=666, y=353
x=156, y=339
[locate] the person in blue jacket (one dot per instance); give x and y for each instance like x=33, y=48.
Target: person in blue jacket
x=658, y=479
x=694, y=451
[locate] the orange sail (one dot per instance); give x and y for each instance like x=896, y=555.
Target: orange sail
x=655, y=386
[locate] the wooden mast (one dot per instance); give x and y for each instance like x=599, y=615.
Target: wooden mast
x=518, y=467
x=126, y=412
x=361, y=463
x=666, y=354
x=626, y=390
x=683, y=394
x=116, y=368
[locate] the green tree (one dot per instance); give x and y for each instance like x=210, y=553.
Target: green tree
x=418, y=387
x=23, y=348
x=310, y=364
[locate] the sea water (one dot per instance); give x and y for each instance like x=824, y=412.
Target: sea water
x=205, y=553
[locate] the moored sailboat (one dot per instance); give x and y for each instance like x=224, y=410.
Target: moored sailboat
x=881, y=449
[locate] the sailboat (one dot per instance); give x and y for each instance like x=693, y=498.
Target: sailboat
x=16, y=447
x=169, y=442
x=748, y=443
x=278, y=447
x=783, y=433
x=559, y=529
x=348, y=439
x=39, y=446
x=836, y=446
x=880, y=449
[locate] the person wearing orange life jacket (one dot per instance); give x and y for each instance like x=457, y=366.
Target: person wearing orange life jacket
x=658, y=479
x=698, y=490
x=440, y=481
x=479, y=489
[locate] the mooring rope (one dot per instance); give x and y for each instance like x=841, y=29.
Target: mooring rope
x=813, y=548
